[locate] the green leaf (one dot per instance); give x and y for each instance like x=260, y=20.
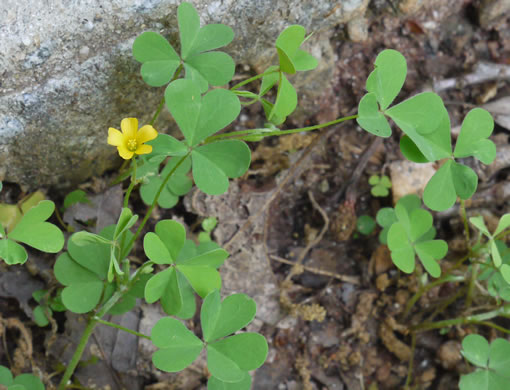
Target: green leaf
x=167, y=145
x=430, y=251
x=214, y=163
x=465, y=180
x=479, y=223
x=220, y=319
x=165, y=286
x=286, y=99
x=76, y=196
x=173, y=235
x=505, y=272
x=126, y=221
x=270, y=80
x=215, y=384
x=210, y=37
x=159, y=59
x=212, y=258
x=478, y=380
x=199, y=117
x=503, y=223
x=388, y=77
x=421, y=222
x=370, y=118
x=227, y=359
x=472, y=141
x=496, y=257
x=94, y=256
x=156, y=250
x=34, y=231
x=215, y=67
x=476, y=350
x=189, y=27
x=84, y=238
x=365, y=224
x=386, y=217
x=292, y=58
x=203, y=279
x=410, y=150
x=439, y=193
x=425, y=120
x=40, y=317
x=12, y=252
x=6, y=377
x=208, y=224
x=402, y=253
x=84, y=288
x=178, y=347
x=29, y=381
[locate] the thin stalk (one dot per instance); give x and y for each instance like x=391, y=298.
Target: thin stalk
x=247, y=81
x=426, y=288
x=265, y=133
x=131, y=184
x=465, y=220
x=88, y=332
x=154, y=202
x=474, y=274
x=120, y=327
x=77, y=354
x=482, y=318
x=411, y=362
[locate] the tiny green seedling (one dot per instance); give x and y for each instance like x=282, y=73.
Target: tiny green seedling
x=208, y=225
x=365, y=224
x=380, y=185
x=492, y=362
x=75, y=197
x=503, y=224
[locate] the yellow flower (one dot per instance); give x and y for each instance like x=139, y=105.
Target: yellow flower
x=131, y=140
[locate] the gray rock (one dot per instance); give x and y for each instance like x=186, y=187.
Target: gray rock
x=493, y=11
x=67, y=74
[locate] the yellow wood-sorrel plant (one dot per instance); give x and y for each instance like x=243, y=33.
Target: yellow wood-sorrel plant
x=98, y=277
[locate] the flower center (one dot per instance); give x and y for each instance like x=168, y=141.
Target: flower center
x=132, y=145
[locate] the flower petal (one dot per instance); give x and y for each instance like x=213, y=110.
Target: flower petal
x=143, y=149
x=115, y=137
x=146, y=133
x=124, y=152
x=129, y=127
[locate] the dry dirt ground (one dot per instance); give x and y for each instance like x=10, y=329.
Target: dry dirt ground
x=335, y=321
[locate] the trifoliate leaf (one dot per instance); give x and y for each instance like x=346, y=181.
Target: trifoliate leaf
x=286, y=99
x=472, y=141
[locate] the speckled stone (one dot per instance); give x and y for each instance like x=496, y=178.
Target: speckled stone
x=67, y=73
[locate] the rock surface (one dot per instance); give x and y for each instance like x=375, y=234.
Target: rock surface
x=67, y=74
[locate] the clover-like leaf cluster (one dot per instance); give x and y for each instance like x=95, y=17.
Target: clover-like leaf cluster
x=498, y=286
x=380, y=185
x=503, y=224
x=426, y=125
x=409, y=232
x=228, y=359
x=190, y=268
x=21, y=382
x=32, y=230
x=492, y=362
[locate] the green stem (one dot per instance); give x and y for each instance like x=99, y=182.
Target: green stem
x=154, y=202
x=77, y=354
x=482, y=318
x=411, y=362
x=88, y=332
x=120, y=327
x=465, y=220
x=265, y=133
x=158, y=111
x=471, y=287
x=247, y=81
x=132, y=184
x=426, y=288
